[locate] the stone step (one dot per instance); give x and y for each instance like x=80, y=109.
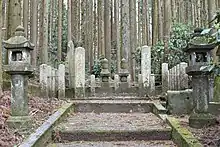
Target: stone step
x=113, y=106
x=112, y=127
x=115, y=144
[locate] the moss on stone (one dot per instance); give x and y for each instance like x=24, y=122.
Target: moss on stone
x=181, y=135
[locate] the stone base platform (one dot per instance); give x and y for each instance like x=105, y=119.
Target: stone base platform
x=113, y=106
x=112, y=127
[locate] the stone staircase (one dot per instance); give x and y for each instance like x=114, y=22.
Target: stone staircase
x=112, y=123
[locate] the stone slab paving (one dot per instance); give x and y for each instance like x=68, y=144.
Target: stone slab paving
x=113, y=126
x=117, y=144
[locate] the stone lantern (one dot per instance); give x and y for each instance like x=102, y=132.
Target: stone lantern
x=199, y=54
x=19, y=67
x=124, y=71
x=105, y=74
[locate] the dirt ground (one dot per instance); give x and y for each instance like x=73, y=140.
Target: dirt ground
x=39, y=109
x=209, y=136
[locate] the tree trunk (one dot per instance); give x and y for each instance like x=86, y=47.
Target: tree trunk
x=34, y=31
x=144, y=23
x=211, y=14
x=155, y=22
x=69, y=20
x=167, y=28
x=1, y=24
x=117, y=33
x=133, y=36
x=101, y=45
x=107, y=31
x=160, y=19
x=25, y=16
x=60, y=11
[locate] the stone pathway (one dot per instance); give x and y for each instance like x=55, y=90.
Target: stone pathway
x=112, y=123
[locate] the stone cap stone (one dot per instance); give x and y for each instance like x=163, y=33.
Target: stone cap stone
x=19, y=40
x=18, y=69
x=196, y=70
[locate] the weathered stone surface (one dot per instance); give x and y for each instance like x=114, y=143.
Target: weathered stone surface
x=146, y=65
x=43, y=80
x=216, y=97
x=152, y=84
x=175, y=77
x=140, y=86
x=200, y=120
x=116, y=81
x=113, y=105
x=178, y=76
x=183, y=76
x=79, y=72
x=61, y=81
x=53, y=82
x=180, y=102
x=71, y=63
x=116, y=144
x=92, y=84
x=165, y=77
x=113, y=126
x=49, y=80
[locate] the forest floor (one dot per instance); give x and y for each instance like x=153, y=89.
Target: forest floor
x=209, y=136
x=40, y=109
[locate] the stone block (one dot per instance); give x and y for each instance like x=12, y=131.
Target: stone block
x=180, y=102
x=165, y=77
x=61, y=81
x=146, y=65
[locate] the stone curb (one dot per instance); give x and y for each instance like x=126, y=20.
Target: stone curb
x=44, y=133
x=158, y=109
x=181, y=136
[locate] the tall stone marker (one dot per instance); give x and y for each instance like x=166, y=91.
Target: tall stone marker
x=70, y=63
x=165, y=77
x=79, y=72
x=43, y=80
x=146, y=65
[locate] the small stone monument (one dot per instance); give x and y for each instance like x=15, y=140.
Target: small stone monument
x=19, y=67
x=105, y=74
x=199, y=52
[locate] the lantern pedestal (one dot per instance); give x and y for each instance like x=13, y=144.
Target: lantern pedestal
x=200, y=120
x=19, y=121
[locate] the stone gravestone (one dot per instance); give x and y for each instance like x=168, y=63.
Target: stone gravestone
x=70, y=63
x=79, y=72
x=165, y=77
x=43, y=80
x=146, y=66
x=152, y=84
x=183, y=76
x=61, y=81
x=116, y=81
x=92, y=85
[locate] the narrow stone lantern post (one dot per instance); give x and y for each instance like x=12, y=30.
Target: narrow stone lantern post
x=19, y=67
x=199, y=53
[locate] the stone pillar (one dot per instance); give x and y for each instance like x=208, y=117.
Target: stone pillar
x=80, y=72
x=183, y=76
x=61, y=81
x=152, y=84
x=92, y=85
x=178, y=76
x=146, y=65
x=165, y=77
x=116, y=81
x=140, y=85
x=49, y=80
x=174, y=78
x=70, y=63
x=43, y=80
x=129, y=80
x=171, y=80
x=53, y=82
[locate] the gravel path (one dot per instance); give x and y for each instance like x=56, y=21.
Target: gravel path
x=114, y=121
